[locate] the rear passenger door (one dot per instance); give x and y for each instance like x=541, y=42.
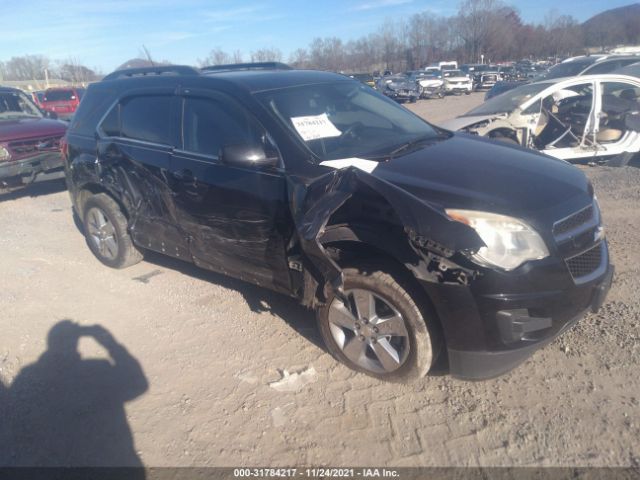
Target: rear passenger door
x=237, y=217
x=137, y=138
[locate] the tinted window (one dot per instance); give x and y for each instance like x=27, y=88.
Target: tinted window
x=59, y=96
x=111, y=124
x=604, y=67
x=147, y=118
x=209, y=125
x=569, y=69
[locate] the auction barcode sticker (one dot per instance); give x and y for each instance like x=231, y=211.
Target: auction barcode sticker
x=314, y=127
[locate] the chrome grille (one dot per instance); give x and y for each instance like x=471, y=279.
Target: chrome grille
x=586, y=263
x=24, y=147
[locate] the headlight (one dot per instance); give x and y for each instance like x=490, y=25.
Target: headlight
x=4, y=154
x=509, y=242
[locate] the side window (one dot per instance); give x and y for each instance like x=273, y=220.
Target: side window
x=110, y=126
x=209, y=125
x=147, y=118
x=604, y=67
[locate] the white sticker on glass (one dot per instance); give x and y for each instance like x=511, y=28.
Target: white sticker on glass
x=314, y=127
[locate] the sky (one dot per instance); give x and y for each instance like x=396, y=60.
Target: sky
x=103, y=34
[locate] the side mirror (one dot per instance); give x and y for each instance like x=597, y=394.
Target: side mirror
x=248, y=156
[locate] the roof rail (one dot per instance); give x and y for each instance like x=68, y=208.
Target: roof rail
x=160, y=70
x=247, y=66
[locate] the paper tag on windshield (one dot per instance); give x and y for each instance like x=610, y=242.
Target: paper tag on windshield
x=314, y=127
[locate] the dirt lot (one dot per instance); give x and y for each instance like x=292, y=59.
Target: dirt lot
x=230, y=374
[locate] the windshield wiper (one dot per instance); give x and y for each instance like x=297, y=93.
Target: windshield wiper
x=440, y=135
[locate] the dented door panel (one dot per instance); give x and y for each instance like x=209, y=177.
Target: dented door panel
x=237, y=219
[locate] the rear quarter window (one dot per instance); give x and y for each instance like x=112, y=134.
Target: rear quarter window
x=147, y=118
x=94, y=105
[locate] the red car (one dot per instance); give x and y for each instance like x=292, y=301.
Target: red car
x=29, y=141
x=62, y=101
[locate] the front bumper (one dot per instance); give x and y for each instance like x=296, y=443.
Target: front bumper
x=432, y=92
x=488, y=333
x=26, y=170
x=401, y=95
x=460, y=88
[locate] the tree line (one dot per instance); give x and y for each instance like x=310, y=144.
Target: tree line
x=481, y=31
x=39, y=67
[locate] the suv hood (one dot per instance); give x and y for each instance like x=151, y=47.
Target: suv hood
x=474, y=173
x=30, y=128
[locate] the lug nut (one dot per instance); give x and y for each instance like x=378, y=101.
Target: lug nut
x=374, y=340
x=357, y=326
x=361, y=337
x=375, y=329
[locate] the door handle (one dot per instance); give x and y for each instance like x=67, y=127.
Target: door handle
x=184, y=175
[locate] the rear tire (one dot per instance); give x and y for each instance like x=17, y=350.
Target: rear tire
x=357, y=338
x=106, y=232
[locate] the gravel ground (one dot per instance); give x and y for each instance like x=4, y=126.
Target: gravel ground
x=200, y=369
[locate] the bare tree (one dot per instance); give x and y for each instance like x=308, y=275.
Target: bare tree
x=217, y=56
x=237, y=56
x=27, y=67
x=266, y=55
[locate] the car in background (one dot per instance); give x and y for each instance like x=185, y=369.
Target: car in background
x=501, y=87
x=632, y=70
x=365, y=78
x=456, y=82
x=587, y=118
x=430, y=85
x=476, y=70
x=399, y=87
x=29, y=141
x=488, y=79
x=589, y=65
x=62, y=101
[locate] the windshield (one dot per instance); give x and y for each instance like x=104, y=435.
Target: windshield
x=508, y=101
x=345, y=119
x=453, y=73
x=568, y=69
x=16, y=105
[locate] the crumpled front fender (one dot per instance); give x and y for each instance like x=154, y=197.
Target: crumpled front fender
x=429, y=231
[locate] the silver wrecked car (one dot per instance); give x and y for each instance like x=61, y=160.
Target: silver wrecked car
x=592, y=118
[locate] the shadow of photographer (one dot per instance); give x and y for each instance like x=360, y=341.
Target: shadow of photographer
x=67, y=411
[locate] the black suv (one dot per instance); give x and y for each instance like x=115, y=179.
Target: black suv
x=406, y=239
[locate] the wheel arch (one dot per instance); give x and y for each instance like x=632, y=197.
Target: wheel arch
x=349, y=243
x=89, y=189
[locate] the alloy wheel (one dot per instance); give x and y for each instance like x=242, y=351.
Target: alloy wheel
x=369, y=331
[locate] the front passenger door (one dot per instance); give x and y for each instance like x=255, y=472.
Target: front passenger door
x=236, y=217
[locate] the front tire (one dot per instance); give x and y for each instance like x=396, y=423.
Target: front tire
x=106, y=232
x=381, y=330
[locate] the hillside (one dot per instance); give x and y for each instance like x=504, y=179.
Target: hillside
x=617, y=26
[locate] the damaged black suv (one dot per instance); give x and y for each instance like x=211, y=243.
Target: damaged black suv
x=407, y=240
